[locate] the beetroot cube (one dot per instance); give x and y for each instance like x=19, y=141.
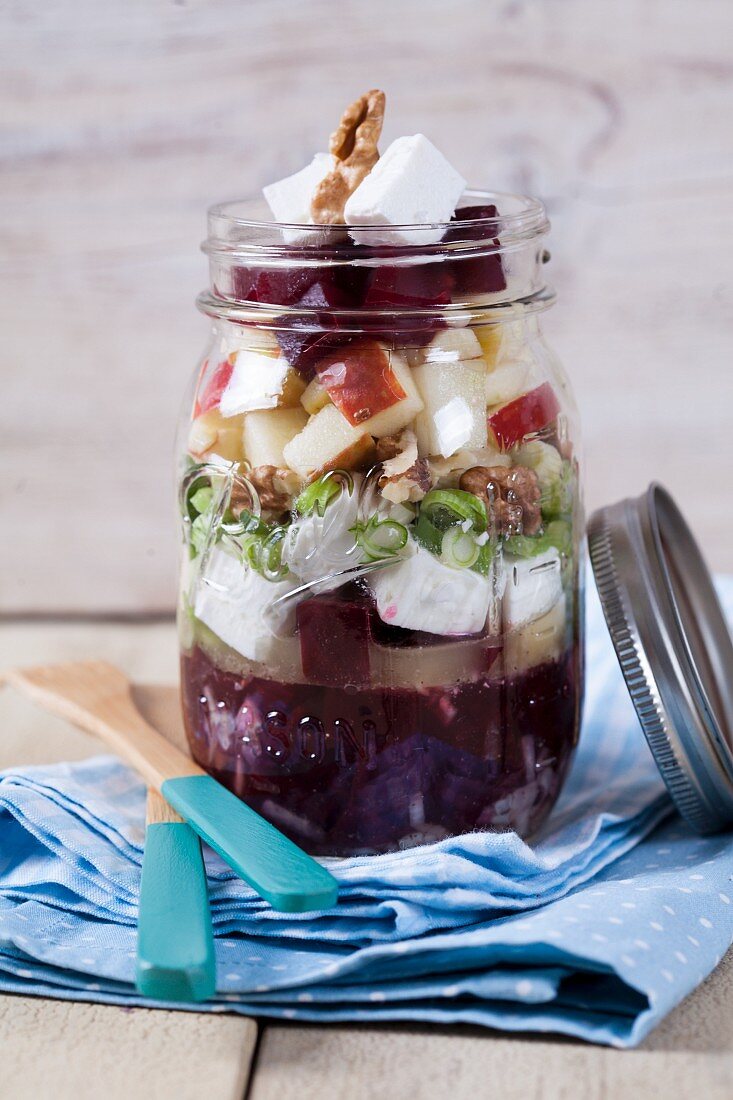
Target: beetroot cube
x=419, y=286
x=476, y=274
x=334, y=640
x=273, y=286
x=335, y=288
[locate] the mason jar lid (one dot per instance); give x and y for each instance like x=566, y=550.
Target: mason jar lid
x=674, y=648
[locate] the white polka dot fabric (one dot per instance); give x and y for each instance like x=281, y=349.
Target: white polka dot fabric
x=597, y=929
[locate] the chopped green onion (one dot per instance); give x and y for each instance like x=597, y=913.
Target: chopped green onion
x=202, y=499
x=260, y=545
x=318, y=495
x=445, y=508
x=380, y=538
x=459, y=549
x=557, y=534
x=200, y=529
x=557, y=497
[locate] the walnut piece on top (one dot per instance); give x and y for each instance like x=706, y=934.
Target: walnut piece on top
x=511, y=495
x=354, y=145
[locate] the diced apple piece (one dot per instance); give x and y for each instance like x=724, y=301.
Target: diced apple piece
x=490, y=339
x=543, y=639
x=421, y=593
x=328, y=442
x=267, y=432
x=314, y=397
x=293, y=389
x=530, y=413
x=507, y=381
x=371, y=385
x=455, y=407
x=261, y=378
x=211, y=436
x=392, y=420
x=453, y=345
x=212, y=385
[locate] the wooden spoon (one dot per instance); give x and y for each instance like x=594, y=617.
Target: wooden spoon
x=96, y=696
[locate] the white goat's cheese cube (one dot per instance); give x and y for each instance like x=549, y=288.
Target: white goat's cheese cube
x=290, y=198
x=412, y=184
x=236, y=603
x=421, y=593
x=533, y=586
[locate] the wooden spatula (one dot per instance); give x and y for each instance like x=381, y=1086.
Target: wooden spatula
x=96, y=696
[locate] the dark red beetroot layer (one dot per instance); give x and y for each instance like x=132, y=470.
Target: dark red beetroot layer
x=351, y=284
x=345, y=771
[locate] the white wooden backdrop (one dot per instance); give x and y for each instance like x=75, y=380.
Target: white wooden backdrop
x=123, y=119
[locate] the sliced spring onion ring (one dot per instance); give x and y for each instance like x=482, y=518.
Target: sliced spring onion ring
x=557, y=534
x=261, y=546
x=380, y=538
x=318, y=495
x=459, y=548
x=447, y=507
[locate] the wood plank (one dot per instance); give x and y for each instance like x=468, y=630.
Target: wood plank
x=58, y=1050
x=147, y=652
x=121, y=128
x=690, y=1054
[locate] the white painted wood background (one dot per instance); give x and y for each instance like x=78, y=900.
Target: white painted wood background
x=122, y=121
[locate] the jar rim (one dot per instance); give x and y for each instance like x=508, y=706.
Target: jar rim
x=237, y=225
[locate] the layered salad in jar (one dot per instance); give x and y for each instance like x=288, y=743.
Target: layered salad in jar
x=379, y=609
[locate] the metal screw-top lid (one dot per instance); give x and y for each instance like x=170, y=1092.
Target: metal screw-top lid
x=674, y=648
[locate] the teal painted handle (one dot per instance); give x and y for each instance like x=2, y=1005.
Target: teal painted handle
x=277, y=869
x=175, y=942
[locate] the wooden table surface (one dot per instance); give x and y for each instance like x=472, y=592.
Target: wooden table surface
x=54, y=1050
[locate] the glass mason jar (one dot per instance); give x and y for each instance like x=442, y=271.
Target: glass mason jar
x=380, y=601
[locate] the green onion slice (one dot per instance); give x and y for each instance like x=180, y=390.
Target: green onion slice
x=380, y=538
x=317, y=496
x=445, y=508
x=459, y=548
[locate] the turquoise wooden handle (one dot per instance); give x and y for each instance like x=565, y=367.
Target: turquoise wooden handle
x=277, y=869
x=175, y=942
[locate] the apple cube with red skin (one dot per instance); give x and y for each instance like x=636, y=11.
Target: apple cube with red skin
x=360, y=381
x=371, y=386
x=524, y=416
x=334, y=640
x=216, y=381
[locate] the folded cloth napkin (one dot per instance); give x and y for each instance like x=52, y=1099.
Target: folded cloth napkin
x=597, y=929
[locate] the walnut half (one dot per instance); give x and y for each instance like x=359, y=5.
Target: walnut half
x=511, y=495
x=354, y=145
x=274, y=487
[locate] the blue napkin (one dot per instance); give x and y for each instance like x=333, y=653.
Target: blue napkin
x=597, y=929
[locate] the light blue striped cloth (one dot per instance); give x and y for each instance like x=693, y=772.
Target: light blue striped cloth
x=597, y=930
